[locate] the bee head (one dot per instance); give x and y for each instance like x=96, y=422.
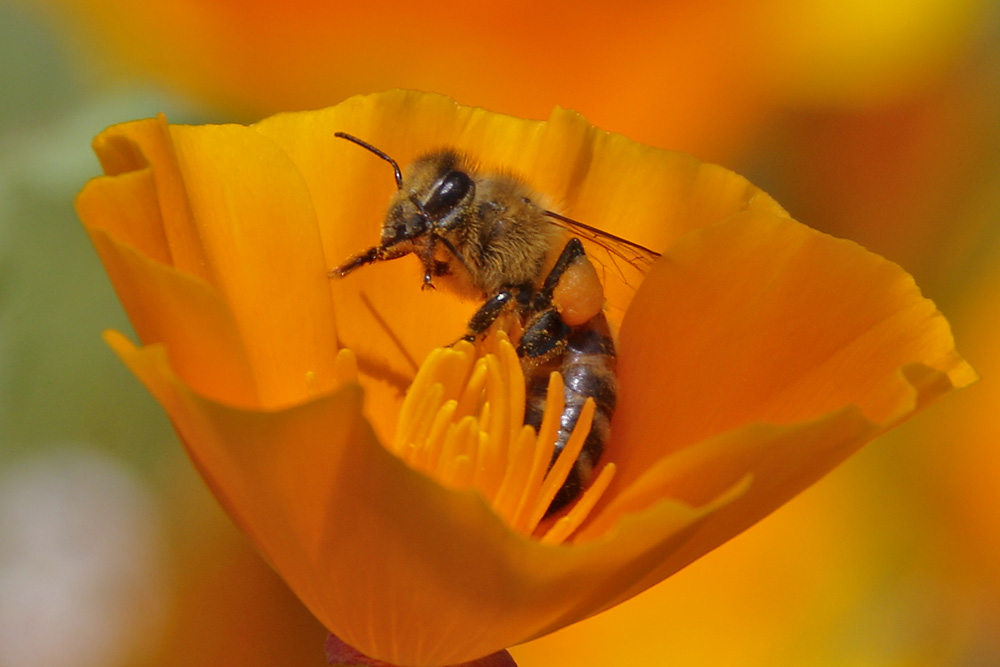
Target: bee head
x=434, y=192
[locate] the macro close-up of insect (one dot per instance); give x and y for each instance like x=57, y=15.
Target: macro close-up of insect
x=487, y=236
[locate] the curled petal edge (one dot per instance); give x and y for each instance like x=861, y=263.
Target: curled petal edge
x=333, y=511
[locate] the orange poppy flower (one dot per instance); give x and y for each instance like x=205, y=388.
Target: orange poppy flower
x=755, y=356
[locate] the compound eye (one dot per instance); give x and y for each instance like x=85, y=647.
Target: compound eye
x=450, y=191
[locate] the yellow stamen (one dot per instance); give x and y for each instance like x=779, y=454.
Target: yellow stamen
x=462, y=424
x=560, y=469
x=565, y=526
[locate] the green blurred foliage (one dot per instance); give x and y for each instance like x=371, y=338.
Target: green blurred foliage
x=63, y=392
x=59, y=381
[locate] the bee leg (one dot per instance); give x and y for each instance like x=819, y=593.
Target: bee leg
x=570, y=253
x=487, y=314
x=435, y=267
x=430, y=265
x=545, y=332
x=379, y=253
x=544, y=336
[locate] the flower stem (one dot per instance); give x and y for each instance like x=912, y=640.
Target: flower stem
x=340, y=654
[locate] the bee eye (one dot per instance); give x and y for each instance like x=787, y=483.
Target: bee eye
x=450, y=191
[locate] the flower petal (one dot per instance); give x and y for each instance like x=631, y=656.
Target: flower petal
x=778, y=461
x=124, y=219
x=224, y=205
x=652, y=196
x=258, y=230
x=761, y=319
x=146, y=144
x=321, y=497
x=127, y=208
x=162, y=303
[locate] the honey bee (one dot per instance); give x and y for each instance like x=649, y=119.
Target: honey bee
x=488, y=236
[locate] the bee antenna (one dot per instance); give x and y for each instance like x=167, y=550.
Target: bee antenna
x=365, y=144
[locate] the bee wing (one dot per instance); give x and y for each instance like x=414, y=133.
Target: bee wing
x=620, y=263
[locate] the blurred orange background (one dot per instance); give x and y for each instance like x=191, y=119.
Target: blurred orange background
x=878, y=122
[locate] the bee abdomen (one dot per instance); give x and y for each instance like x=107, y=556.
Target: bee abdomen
x=587, y=365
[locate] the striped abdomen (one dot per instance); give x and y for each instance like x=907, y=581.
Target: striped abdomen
x=587, y=365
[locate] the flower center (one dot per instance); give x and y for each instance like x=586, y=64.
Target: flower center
x=462, y=423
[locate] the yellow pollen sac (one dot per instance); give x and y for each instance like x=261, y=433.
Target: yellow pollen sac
x=462, y=423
